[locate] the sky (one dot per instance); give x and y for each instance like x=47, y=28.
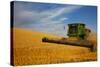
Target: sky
x=53, y=18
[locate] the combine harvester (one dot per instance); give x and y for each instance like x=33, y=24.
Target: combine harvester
x=77, y=36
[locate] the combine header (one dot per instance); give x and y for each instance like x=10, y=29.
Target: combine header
x=77, y=36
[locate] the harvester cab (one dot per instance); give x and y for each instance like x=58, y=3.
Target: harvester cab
x=76, y=30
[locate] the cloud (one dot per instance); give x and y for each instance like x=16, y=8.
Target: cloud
x=58, y=11
x=47, y=20
x=24, y=14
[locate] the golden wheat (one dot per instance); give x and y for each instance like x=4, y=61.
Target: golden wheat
x=29, y=49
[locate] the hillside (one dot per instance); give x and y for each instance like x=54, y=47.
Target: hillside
x=29, y=49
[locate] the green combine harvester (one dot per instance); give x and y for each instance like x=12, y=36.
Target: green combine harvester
x=77, y=36
x=78, y=30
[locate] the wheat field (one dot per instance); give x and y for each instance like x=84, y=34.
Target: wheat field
x=29, y=49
